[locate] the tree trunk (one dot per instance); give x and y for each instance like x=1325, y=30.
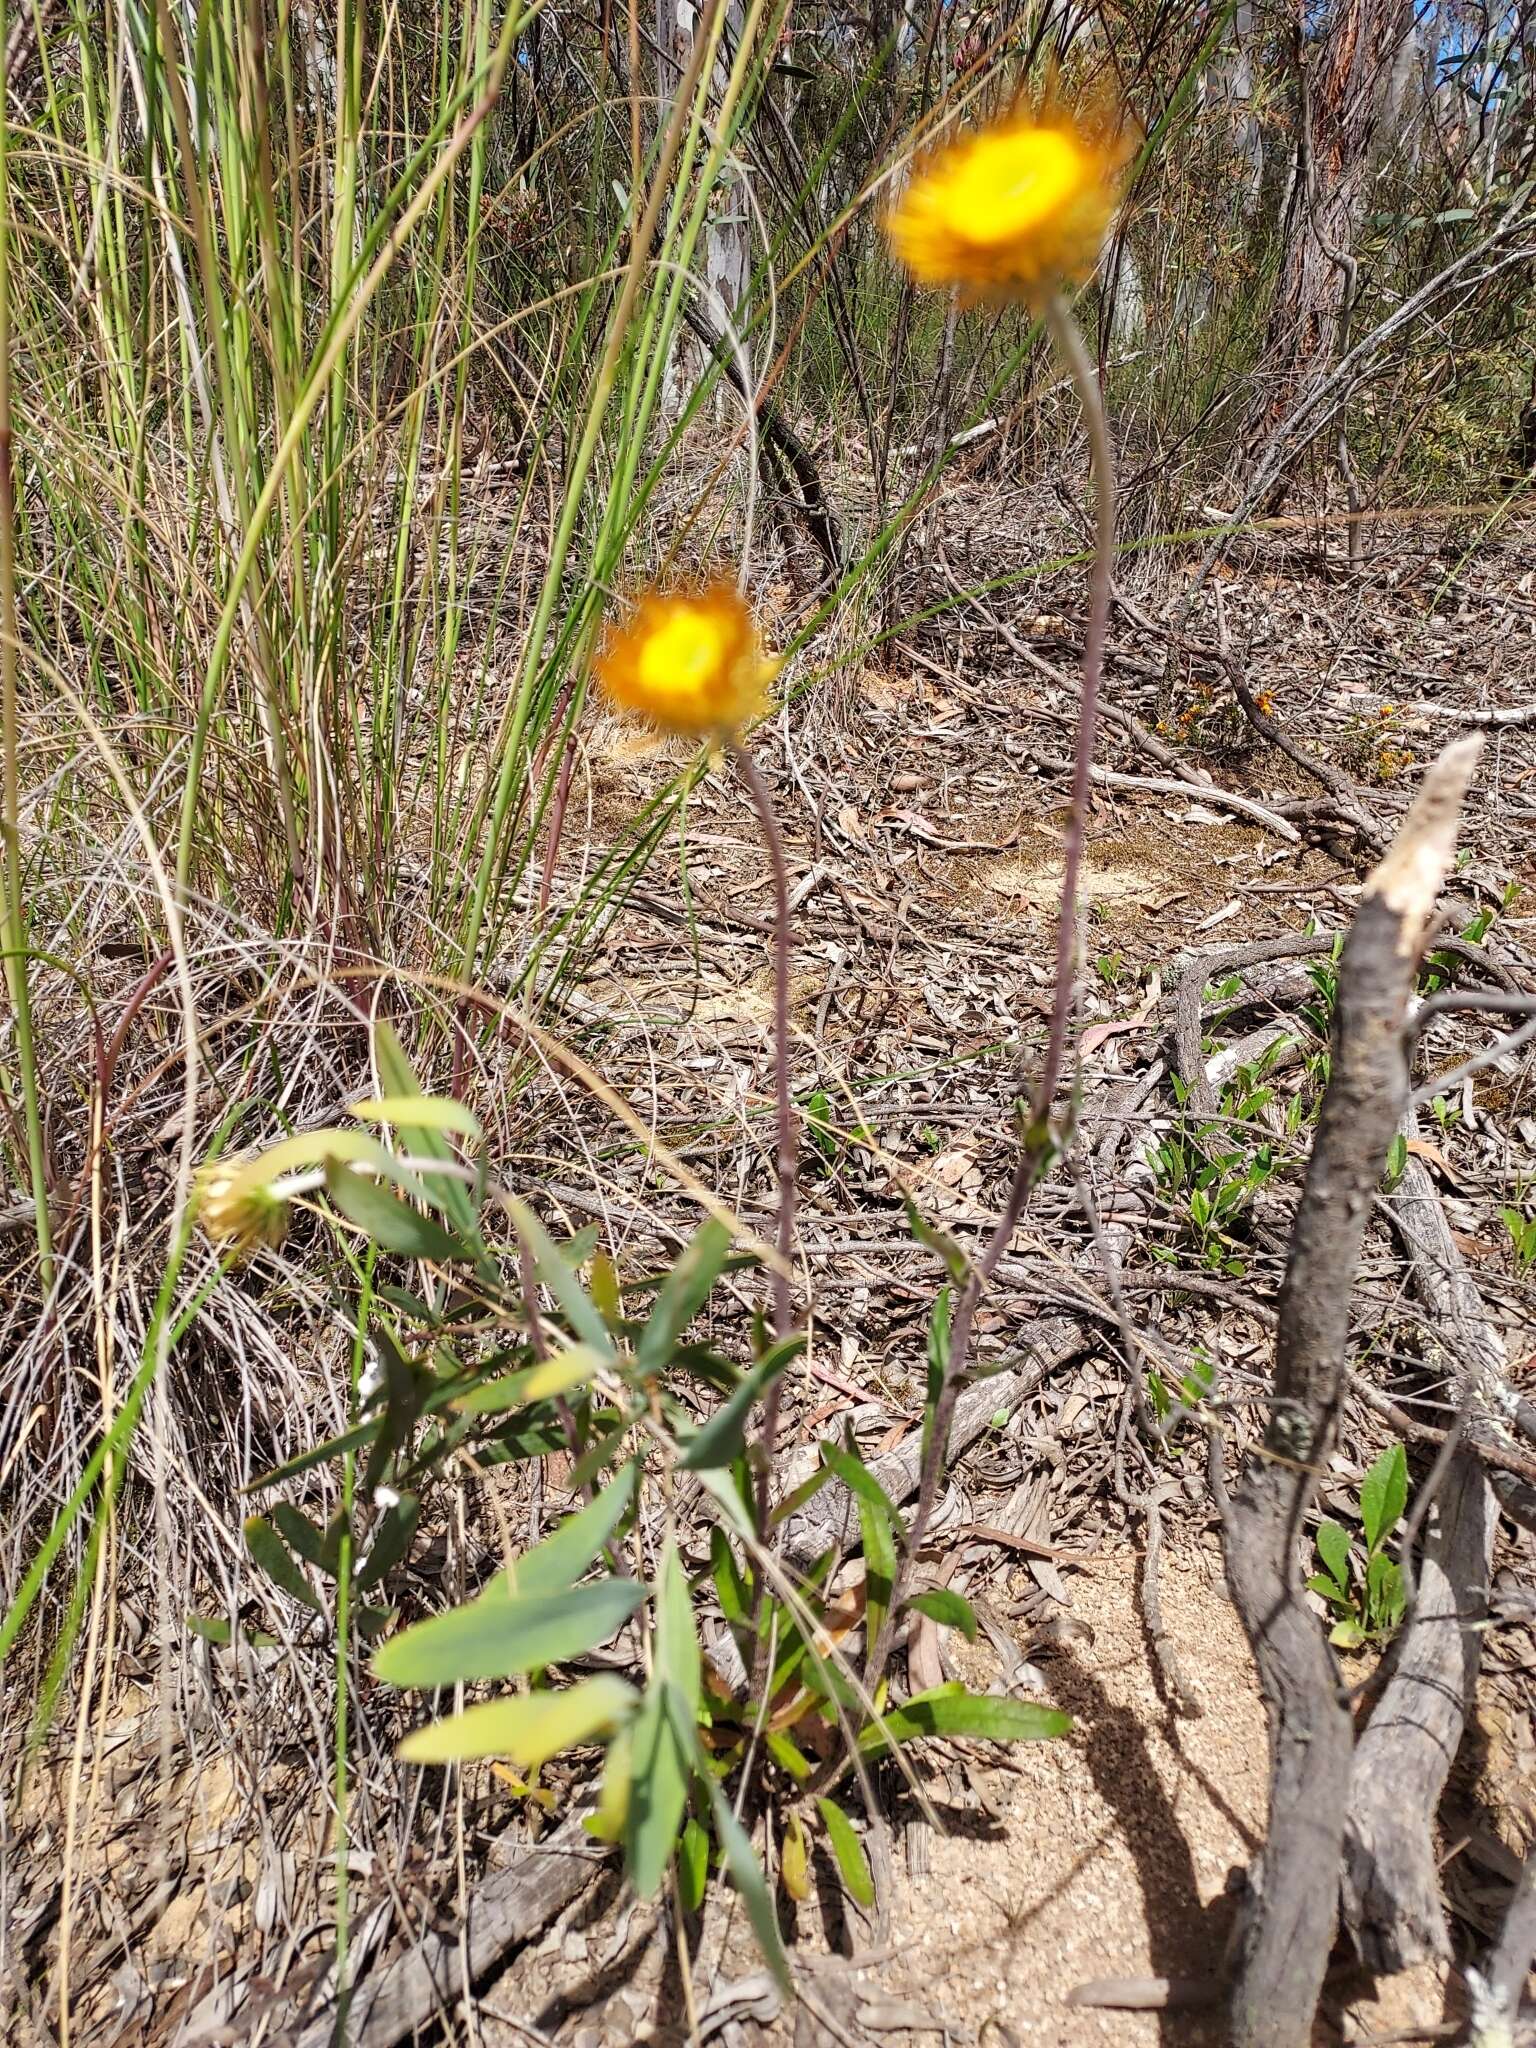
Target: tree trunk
x=1345, y=71
x=1229, y=87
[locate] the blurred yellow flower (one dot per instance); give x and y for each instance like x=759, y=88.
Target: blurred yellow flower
x=690, y=661
x=237, y=1209
x=1013, y=209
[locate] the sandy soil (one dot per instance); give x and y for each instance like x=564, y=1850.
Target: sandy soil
x=1101, y=1859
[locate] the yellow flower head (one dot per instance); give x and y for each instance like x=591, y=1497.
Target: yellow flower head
x=690, y=661
x=238, y=1209
x=1013, y=209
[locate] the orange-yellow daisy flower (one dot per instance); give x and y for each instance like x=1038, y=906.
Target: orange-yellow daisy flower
x=1013, y=209
x=690, y=661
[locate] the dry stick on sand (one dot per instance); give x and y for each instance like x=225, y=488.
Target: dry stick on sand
x=1289, y=1928
x=1496, y=1993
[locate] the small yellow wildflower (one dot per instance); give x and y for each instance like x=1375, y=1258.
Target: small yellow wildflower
x=690, y=661
x=238, y=1210
x=1013, y=209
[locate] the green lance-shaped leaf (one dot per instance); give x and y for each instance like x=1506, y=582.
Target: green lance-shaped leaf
x=393, y=1225
x=276, y=1560
x=510, y=1620
x=677, y=1643
x=317, y=1454
x=937, y=1363
x=1333, y=1549
x=559, y=1275
x=860, y=1481
x=421, y=1134
x=1384, y=1495
x=949, y=1609
x=420, y=1112
x=852, y=1864
x=390, y=1544
x=951, y=1710
x=1385, y=1598
x=502, y=1633
x=682, y=1294
x=660, y=1769
x=300, y=1534
x=693, y=1865
x=558, y=1374
x=740, y=1857
x=720, y=1439
x=570, y=1547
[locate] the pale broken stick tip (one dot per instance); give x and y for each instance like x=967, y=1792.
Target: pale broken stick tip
x=1409, y=875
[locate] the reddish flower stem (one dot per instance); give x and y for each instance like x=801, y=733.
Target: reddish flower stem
x=773, y=845
x=1037, y=1146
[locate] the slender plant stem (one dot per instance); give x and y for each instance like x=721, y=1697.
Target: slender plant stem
x=1067, y=336
x=340, y=1771
x=13, y=931
x=773, y=845
x=1038, y=1144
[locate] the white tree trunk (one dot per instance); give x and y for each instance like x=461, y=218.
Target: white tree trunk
x=1228, y=85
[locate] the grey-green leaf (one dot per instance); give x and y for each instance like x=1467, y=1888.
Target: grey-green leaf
x=747, y=1874
x=859, y=1480
x=398, y=1079
x=503, y=1632
x=393, y=1225
x=559, y=1276
x=276, y=1560
x=568, y=1549
x=720, y=1439
x=677, y=1644
x=300, y=1533
x=390, y=1544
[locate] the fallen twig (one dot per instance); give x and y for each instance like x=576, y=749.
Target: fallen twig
x=833, y=1512
x=505, y=1909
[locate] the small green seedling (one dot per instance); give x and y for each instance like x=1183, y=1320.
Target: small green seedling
x=1368, y=1606
x=1397, y=1160
x=1447, y=1113
x=1192, y=1388
x=1521, y=1225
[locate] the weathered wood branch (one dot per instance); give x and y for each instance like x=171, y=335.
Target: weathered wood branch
x=783, y=456
x=1391, y=1886
x=1289, y=1931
